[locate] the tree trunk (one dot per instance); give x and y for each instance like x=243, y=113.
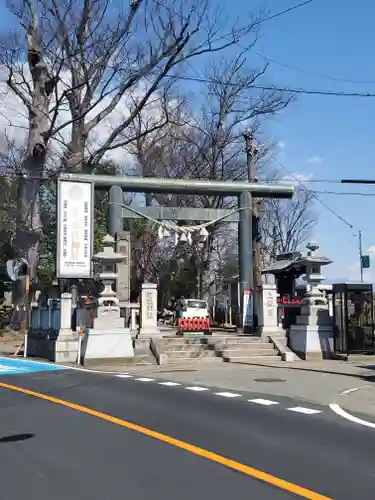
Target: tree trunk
x=74, y=160
x=28, y=217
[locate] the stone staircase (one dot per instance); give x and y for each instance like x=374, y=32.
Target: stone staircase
x=246, y=349
x=217, y=349
x=189, y=350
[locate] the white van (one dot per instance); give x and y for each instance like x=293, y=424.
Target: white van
x=194, y=308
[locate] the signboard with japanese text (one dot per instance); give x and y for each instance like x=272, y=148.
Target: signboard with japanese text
x=74, y=229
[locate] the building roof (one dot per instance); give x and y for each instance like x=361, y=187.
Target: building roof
x=285, y=262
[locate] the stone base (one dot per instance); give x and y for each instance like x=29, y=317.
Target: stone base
x=102, y=322
x=66, y=349
x=63, y=349
x=311, y=342
x=272, y=331
x=110, y=346
x=142, y=344
x=106, y=361
x=313, y=356
x=148, y=332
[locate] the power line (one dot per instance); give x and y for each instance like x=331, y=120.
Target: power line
x=337, y=193
x=293, y=90
x=286, y=11
x=357, y=181
x=270, y=88
x=322, y=181
x=50, y=176
x=261, y=21
x=327, y=207
x=312, y=73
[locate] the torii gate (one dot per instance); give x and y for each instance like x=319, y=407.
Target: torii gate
x=117, y=185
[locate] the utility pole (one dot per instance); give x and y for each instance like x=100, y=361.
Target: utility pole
x=257, y=268
x=360, y=253
x=362, y=264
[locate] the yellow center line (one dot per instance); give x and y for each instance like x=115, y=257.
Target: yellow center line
x=195, y=450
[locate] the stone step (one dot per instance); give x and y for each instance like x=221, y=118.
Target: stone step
x=188, y=347
x=250, y=346
x=230, y=353
x=144, y=359
x=246, y=339
x=192, y=354
x=211, y=339
x=210, y=359
x=252, y=359
x=185, y=340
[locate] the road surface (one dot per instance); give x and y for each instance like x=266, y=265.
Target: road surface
x=77, y=435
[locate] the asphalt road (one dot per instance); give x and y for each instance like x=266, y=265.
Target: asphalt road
x=48, y=450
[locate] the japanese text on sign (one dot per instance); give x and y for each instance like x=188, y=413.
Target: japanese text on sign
x=75, y=229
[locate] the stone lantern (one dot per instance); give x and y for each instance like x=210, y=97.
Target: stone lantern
x=107, y=260
x=313, y=263
x=312, y=336
x=108, y=341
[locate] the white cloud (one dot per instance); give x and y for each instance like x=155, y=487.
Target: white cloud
x=298, y=177
x=14, y=119
x=281, y=145
x=315, y=160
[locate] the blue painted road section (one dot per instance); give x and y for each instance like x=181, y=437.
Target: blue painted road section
x=9, y=366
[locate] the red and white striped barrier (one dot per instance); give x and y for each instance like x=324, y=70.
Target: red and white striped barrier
x=193, y=325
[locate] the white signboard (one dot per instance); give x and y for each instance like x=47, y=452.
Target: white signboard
x=247, y=319
x=75, y=229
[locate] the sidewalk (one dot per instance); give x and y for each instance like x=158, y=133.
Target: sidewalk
x=349, y=384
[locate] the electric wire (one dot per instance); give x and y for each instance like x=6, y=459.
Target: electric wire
x=300, y=183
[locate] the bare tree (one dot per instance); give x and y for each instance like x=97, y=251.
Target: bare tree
x=287, y=224
x=209, y=145
x=84, y=58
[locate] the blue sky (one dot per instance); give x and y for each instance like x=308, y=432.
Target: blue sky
x=331, y=38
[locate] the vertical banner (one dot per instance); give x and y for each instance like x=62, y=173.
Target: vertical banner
x=74, y=229
x=247, y=318
x=123, y=246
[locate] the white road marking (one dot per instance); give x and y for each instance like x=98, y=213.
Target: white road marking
x=305, y=411
x=10, y=368
x=169, y=384
x=85, y=370
x=344, y=414
x=145, y=379
x=349, y=391
x=227, y=394
x=197, y=389
x=264, y=402
x=124, y=375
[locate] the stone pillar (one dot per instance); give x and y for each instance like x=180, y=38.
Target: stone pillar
x=66, y=346
x=149, y=311
x=268, y=321
x=66, y=312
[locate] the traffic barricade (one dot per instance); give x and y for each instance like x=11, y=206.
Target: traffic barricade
x=193, y=325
